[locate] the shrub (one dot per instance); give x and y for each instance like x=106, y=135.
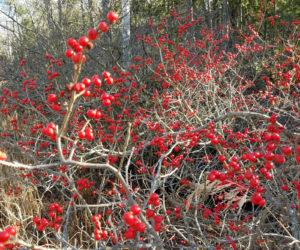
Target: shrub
x=205, y=155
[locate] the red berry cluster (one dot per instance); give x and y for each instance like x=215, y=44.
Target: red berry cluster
x=84, y=184
x=5, y=237
x=154, y=200
x=107, y=99
x=100, y=234
x=150, y=214
x=50, y=131
x=76, y=52
x=94, y=113
x=87, y=133
x=131, y=220
x=258, y=200
x=54, y=209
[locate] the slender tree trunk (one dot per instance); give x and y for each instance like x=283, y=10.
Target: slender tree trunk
x=82, y=13
x=90, y=3
x=59, y=6
x=125, y=32
x=191, y=32
x=225, y=16
x=206, y=9
x=105, y=6
x=49, y=17
x=189, y=4
x=241, y=16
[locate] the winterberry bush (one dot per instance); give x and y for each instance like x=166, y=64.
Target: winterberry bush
x=205, y=154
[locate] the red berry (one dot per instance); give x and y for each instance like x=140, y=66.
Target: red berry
x=4, y=236
x=256, y=198
x=130, y=233
x=58, y=219
x=104, y=234
x=106, y=102
x=106, y=75
x=103, y=27
x=83, y=41
x=248, y=174
x=269, y=156
x=140, y=227
x=254, y=182
x=154, y=197
x=279, y=158
x=69, y=53
x=268, y=175
x=263, y=170
x=52, y=97
x=96, y=217
x=298, y=149
x=36, y=220
x=52, y=214
x=211, y=177
x=50, y=132
x=98, y=237
x=51, y=207
x=149, y=213
x=234, y=158
x=267, y=137
x=71, y=42
x=287, y=150
x=52, y=125
x=251, y=157
x=104, y=96
x=11, y=230
x=78, y=87
x=297, y=158
x=59, y=209
x=98, y=114
x=221, y=158
x=91, y=113
x=112, y=17
x=44, y=222
x=269, y=165
x=76, y=58
x=97, y=81
x=158, y=219
x=275, y=137
x=262, y=202
x=156, y=203
x=109, y=81
x=92, y=34
x=87, y=82
x=135, y=209
x=129, y=219
x=157, y=227
x=87, y=93
x=77, y=48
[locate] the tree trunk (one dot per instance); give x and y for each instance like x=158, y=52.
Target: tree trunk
x=49, y=17
x=224, y=16
x=90, y=3
x=105, y=6
x=59, y=6
x=125, y=32
x=206, y=9
x=191, y=32
x=82, y=14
